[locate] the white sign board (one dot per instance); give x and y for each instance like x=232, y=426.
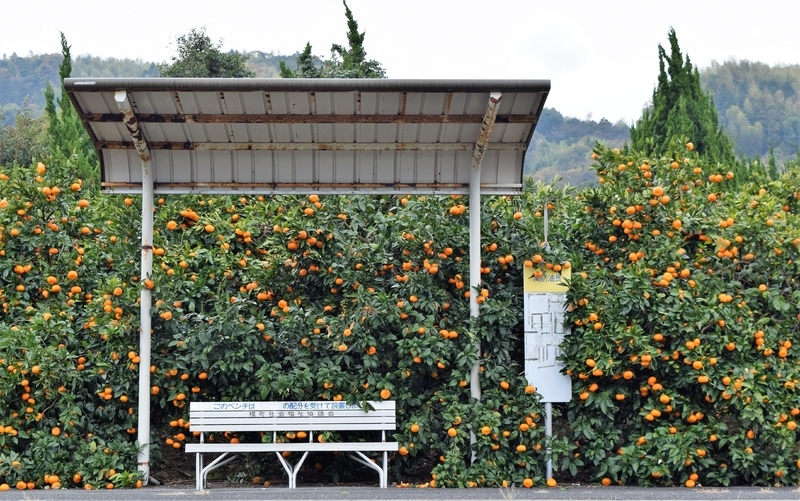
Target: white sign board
x=544, y=332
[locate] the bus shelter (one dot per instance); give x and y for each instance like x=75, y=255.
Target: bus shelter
x=305, y=136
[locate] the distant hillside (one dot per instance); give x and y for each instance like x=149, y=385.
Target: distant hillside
x=562, y=146
x=27, y=77
x=267, y=64
x=758, y=104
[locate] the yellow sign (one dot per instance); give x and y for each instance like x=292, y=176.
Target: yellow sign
x=549, y=281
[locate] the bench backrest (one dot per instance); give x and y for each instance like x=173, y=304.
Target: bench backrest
x=290, y=416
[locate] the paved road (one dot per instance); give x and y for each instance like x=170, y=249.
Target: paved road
x=395, y=494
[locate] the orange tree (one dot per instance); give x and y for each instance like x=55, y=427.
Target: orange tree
x=684, y=324
x=65, y=384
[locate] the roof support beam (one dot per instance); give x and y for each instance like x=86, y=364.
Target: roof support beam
x=301, y=188
x=145, y=296
x=198, y=146
x=252, y=118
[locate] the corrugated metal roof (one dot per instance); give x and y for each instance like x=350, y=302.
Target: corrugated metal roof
x=310, y=135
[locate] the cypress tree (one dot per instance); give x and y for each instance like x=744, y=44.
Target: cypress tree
x=199, y=57
x=680, y=108
x=349, y=62
x=305, y=66
x=69, y=144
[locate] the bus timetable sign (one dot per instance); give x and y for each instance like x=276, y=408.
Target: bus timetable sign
x=545, y=297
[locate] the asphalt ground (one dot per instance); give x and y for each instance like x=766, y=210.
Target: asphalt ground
x=411, y=494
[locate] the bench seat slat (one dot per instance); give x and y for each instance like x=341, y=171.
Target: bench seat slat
x=324, y=405
x=294, y=447
x=236, y=427
x=195, y=418
x=233, y=425
x=341, y=412
x=244, y=408
x=339, y=416
x=291, y=419
x=378, y=418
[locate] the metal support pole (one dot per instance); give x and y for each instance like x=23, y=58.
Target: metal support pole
x=475, y=238
x=145, y=298
x=475, y=269
x=548, y=435
x=475, y=228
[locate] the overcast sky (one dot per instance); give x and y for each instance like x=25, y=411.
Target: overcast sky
x=601, y=56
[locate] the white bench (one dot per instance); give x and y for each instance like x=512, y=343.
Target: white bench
x=235, y=417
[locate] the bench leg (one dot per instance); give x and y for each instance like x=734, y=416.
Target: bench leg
x=213, y=465
x=292, y=470
x=198, y=470
x=385, y=469
x=383, y=481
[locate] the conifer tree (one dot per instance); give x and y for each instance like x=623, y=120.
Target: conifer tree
x=680, y=108
x=349, y=62
x=305, y=66
x=772, y=164
x=199, y=57
x=69, y=143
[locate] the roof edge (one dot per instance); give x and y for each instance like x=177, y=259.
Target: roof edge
x=304, y=85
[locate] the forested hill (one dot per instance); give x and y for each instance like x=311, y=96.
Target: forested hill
x=758, y=104
x=26, y=77
x=562, y=145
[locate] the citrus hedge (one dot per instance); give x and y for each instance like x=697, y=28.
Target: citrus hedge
x=66, y=392
x=357, y=298
x=684, y=351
